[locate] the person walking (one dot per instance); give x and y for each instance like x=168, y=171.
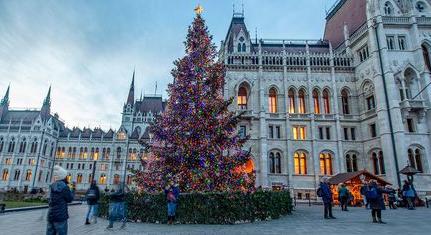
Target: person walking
x=117, y=207
x=364, y=189
x=59, y=195
x=325, y=193
x=92, y=195
x=343, y=194
x=409, y=194
x=172, y=193
x=377, y=204
x=391, y=197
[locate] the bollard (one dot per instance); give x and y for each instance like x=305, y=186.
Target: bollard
x=427, y=202
x=309, y=201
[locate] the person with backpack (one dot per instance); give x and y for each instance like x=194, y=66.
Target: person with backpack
x=324, y=191
x=92, y=195
x=172, y=193
x=374, y=196
x=59, y=195
x=343, y=195
x=410, y=194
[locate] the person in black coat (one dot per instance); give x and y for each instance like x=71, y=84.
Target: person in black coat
x=92, y=195
x=117, y=206
x=59, y=196
x=325, y=193
x=375, y=199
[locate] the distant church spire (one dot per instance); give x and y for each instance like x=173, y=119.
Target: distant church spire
x=5, y=100
x=46, y=106
x=131, y=96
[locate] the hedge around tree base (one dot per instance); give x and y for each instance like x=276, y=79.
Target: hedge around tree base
x=207, y=208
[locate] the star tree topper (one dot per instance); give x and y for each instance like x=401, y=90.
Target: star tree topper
x=199, y=9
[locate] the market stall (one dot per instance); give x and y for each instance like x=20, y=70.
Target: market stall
x=353, y=181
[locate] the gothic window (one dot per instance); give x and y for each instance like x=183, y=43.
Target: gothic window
x=33, y=148
x=271, y=162
x=22, y=146
x=420, y=6
x=52, y=150
x=382, y=163
x=39, y=178
x=45, y=146
x=129, y=179
x=242, y=98
x=426, y=56
x=90, y=178
x=368, y=91
x=316, y=101
x=28, y=175
x=5, y=175
x=351, y=163
x=96, y=154
x=272, y=100
x=325, y=164
x=415, y=158
x=11, y=146
x=292, y=106
x=390, y=41
x=85, y=153
x=119, y=152
x=402, y=43
x=17, y=175
x=244, y=47
x=345, y=101
x=388, y=8
x=326, y=101
x=378, y=163
x=275, y=162
x=301, y=95
x=81, y=153
x=298, y=132
x=300, y=163
x=239, y=47
x=278, y=163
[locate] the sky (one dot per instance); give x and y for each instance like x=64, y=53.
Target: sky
x=87, y=50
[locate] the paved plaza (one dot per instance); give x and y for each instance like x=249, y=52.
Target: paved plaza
x=305, y=220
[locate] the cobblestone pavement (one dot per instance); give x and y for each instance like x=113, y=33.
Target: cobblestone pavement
x=305, y=220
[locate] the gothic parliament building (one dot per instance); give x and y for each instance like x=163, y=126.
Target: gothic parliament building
x=358, y=99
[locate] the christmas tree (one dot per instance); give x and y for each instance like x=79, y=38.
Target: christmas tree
x=195, y=139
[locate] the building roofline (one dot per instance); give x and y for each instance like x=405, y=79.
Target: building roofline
x=335, y=7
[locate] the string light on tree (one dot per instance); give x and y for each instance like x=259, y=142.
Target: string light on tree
x=195, y=139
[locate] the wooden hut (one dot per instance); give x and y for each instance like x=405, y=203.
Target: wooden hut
x=353, y=181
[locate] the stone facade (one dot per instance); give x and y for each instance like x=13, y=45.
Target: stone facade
x=26, y=163
x=319, y=107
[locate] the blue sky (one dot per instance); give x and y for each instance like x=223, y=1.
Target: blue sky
x=87, y=49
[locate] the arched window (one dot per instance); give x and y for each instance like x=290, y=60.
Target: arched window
x=278, y=163
x=325, y=164
x=69, y=178
x=300, y=163
x=85, y=152
x=388, y=8
x=244, y=47
x=426, y=56
x=102, y=179
x=326, y=101
x=382, y=163
x=5, y=175
x=349, y=167
x=415, y=159
x=17, y=175
x=301, y=95
x=242, y=98
x=118, y=152
x=351, y=163
x=28, y=175
x=1, y=144
x=375, y=162
x=81, y=153
x=239, y=47
x=90, y=177
x=345, y=101
x=271, y=163
x=316, y=101
x=108, y=153
x=116, y=179
x=292, y=105
x=272, y=100
x=22, y=146
x=11, y=145
x=79, y=178
x=33, y=148
x=368, y=91
x=51, y=152
x=45, y=146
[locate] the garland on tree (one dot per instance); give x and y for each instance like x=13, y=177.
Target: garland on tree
x=195, y=139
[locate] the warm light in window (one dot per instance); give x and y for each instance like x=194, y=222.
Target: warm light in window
x=272, y=100
x=298, y=133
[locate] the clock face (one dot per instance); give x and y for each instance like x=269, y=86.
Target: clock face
x=241, y=39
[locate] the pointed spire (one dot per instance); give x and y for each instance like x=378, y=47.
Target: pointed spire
x=131, y=96
x=5, y=100
x=47, y=100
x=141, y=96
